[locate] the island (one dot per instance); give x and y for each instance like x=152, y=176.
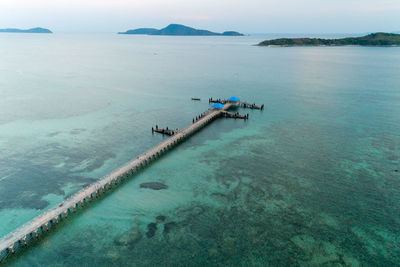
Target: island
x=33, y=30
x=140, y=31
x=374, y=39
x=180, y=30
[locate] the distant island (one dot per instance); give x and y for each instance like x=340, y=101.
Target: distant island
x=33, y=30
x=140, y=31
x=374, y=39
x=180, y=30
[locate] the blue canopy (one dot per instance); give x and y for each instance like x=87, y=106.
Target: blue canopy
x=218, y=105
x=233, y=99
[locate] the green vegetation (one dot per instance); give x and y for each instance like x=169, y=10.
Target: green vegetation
x=374, y=39
x=140, y=31
x=180, y=30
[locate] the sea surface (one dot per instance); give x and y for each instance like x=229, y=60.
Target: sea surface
x=312, y=180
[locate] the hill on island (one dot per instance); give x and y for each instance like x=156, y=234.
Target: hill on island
x=140, y=31
x=179, y=30
x=374, y=39
x=33, y=30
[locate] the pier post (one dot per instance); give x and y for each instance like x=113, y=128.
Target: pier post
x=19, y=244
x=100, y=187
x=3, y=255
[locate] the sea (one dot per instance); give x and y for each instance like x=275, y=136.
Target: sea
x=311, y=180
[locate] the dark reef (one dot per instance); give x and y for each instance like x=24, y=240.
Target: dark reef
x=151, y=230
x=169, y=226
x=160, y=218
x=154, y=185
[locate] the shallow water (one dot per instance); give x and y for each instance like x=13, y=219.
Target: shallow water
x=308, y=181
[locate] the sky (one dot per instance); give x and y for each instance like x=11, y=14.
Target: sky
x=247, y=16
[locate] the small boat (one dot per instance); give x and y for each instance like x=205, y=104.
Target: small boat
x=195, y=99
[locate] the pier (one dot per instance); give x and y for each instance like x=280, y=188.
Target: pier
x=43, y=223
x=236, y=101
x=236, y=115
x=165, y=131
x=251, y=106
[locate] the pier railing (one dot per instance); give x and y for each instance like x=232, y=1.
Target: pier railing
x=42, y=223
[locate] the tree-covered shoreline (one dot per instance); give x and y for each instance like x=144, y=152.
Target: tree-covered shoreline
x=374, y=39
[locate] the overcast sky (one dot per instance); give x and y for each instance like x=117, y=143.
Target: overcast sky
x=248, y=16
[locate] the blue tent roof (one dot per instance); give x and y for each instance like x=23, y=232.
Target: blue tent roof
x=218, y=105
x=234, y=99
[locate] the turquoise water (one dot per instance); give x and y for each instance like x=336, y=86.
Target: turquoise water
x=310, y=180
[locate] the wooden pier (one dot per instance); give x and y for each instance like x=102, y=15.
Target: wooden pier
x=227, y=114
x=251, y=106
x=218, y=100
x=43, y=223
x=240, y=103
x=165, y=131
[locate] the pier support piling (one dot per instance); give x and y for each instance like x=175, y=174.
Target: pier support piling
x=36, y=226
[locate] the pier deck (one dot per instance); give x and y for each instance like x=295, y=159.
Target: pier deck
x=35, y=227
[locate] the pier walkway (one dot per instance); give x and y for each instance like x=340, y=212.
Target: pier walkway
x=21, y=237
x=237, y=101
